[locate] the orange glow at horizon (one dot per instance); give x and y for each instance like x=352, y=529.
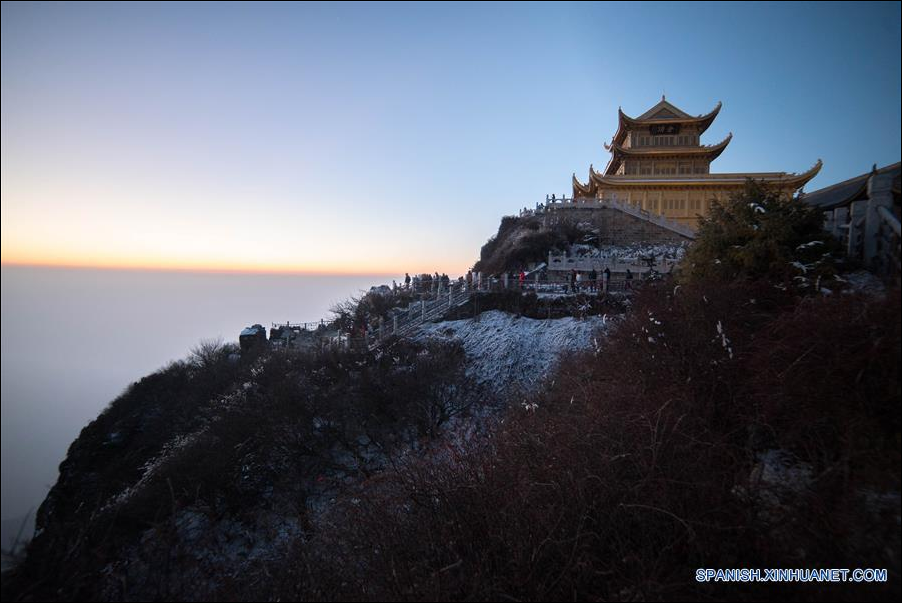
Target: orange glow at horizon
x=251, y=258
x=226, y=268
x=89, y=222
x=234, y=265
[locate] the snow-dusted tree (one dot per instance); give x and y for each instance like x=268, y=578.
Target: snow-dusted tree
x=760, y=233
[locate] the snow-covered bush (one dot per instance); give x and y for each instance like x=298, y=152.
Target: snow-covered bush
x=760, y=233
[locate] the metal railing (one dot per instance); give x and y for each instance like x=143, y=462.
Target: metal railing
x=404, y=321
x=300, y=326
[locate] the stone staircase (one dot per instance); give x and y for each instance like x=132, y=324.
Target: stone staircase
x=566, y=203
x=657, y=219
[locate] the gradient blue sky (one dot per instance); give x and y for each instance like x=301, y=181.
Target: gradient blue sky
x=374, y=137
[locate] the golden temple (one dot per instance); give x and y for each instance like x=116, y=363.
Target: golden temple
x=659, y=164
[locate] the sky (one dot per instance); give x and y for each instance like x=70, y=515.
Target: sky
x=382, y=138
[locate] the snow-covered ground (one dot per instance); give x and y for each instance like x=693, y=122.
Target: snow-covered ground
x=618, y=258
x=629, y=253
x=862, y=281
x=504, y=350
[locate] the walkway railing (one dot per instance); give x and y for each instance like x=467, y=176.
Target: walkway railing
x=556, y=204
x=404, y=321
x=300, y=326
x=617, y=264
x=889, y=243
x=868, y=227
x=439, y=299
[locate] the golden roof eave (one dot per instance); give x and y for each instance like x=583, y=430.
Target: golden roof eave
x=583, y=190
x=625, y=122
x=800, y=180
x=780, y=179
x=595, y=177
x=712, y=152
x=674, y=150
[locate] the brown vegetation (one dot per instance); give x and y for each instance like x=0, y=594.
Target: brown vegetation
x=524, y=240
x=643, y=463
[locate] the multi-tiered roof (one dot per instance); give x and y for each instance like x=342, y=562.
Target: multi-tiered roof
x=662, y=147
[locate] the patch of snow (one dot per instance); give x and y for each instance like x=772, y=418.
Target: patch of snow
x=504, y=350
x=629, y=253
x=383, y=290
x=776, y=481
x=212, y=551
x=862, y=281
x=801, y=267
x=780, y=469
x=724, y=341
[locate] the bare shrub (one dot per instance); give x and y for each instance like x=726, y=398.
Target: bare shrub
x=634, y=468
x=210, y=352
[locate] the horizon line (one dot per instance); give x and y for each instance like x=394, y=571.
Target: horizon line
x=194, y=269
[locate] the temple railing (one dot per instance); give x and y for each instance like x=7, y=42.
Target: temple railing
x=405, y=321
x=889, y=243
x=300, y=326
x=565, y=203
x=616, y=264
x=868, y=228
x=437, y=301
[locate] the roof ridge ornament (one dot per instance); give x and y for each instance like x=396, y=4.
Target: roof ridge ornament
x=808, y=174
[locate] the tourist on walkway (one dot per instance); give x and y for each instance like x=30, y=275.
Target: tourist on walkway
x=607, y=278
x=593, y=279
x=629, y=279
x=406, y=280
